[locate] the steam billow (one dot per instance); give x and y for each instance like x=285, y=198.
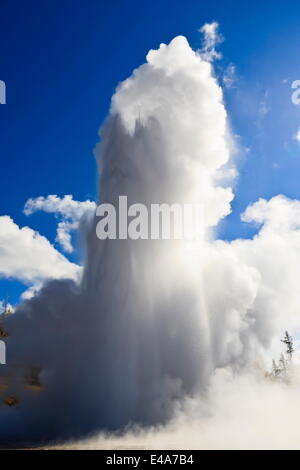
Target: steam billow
x=153, y=322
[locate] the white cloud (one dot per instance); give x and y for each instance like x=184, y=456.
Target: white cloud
x=279, y=214
x=29, y=257
x=274, y=254
x=212, y=38
x=68, y=209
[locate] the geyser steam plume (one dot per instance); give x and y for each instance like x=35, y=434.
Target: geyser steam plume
x=151, y=321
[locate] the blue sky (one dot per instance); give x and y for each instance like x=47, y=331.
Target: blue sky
x=61, y=61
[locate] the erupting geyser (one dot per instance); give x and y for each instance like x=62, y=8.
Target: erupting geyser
x=164, y=141
x=151, y=320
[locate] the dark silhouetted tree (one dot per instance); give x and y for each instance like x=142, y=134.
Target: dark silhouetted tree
x=288, y=341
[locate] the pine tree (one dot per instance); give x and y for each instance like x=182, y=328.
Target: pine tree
x=280, y=370
x=288, y=341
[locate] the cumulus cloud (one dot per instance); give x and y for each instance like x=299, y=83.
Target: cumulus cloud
x=275, y=254
x=29, y=257
x=279, y=214
x=70, y=211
